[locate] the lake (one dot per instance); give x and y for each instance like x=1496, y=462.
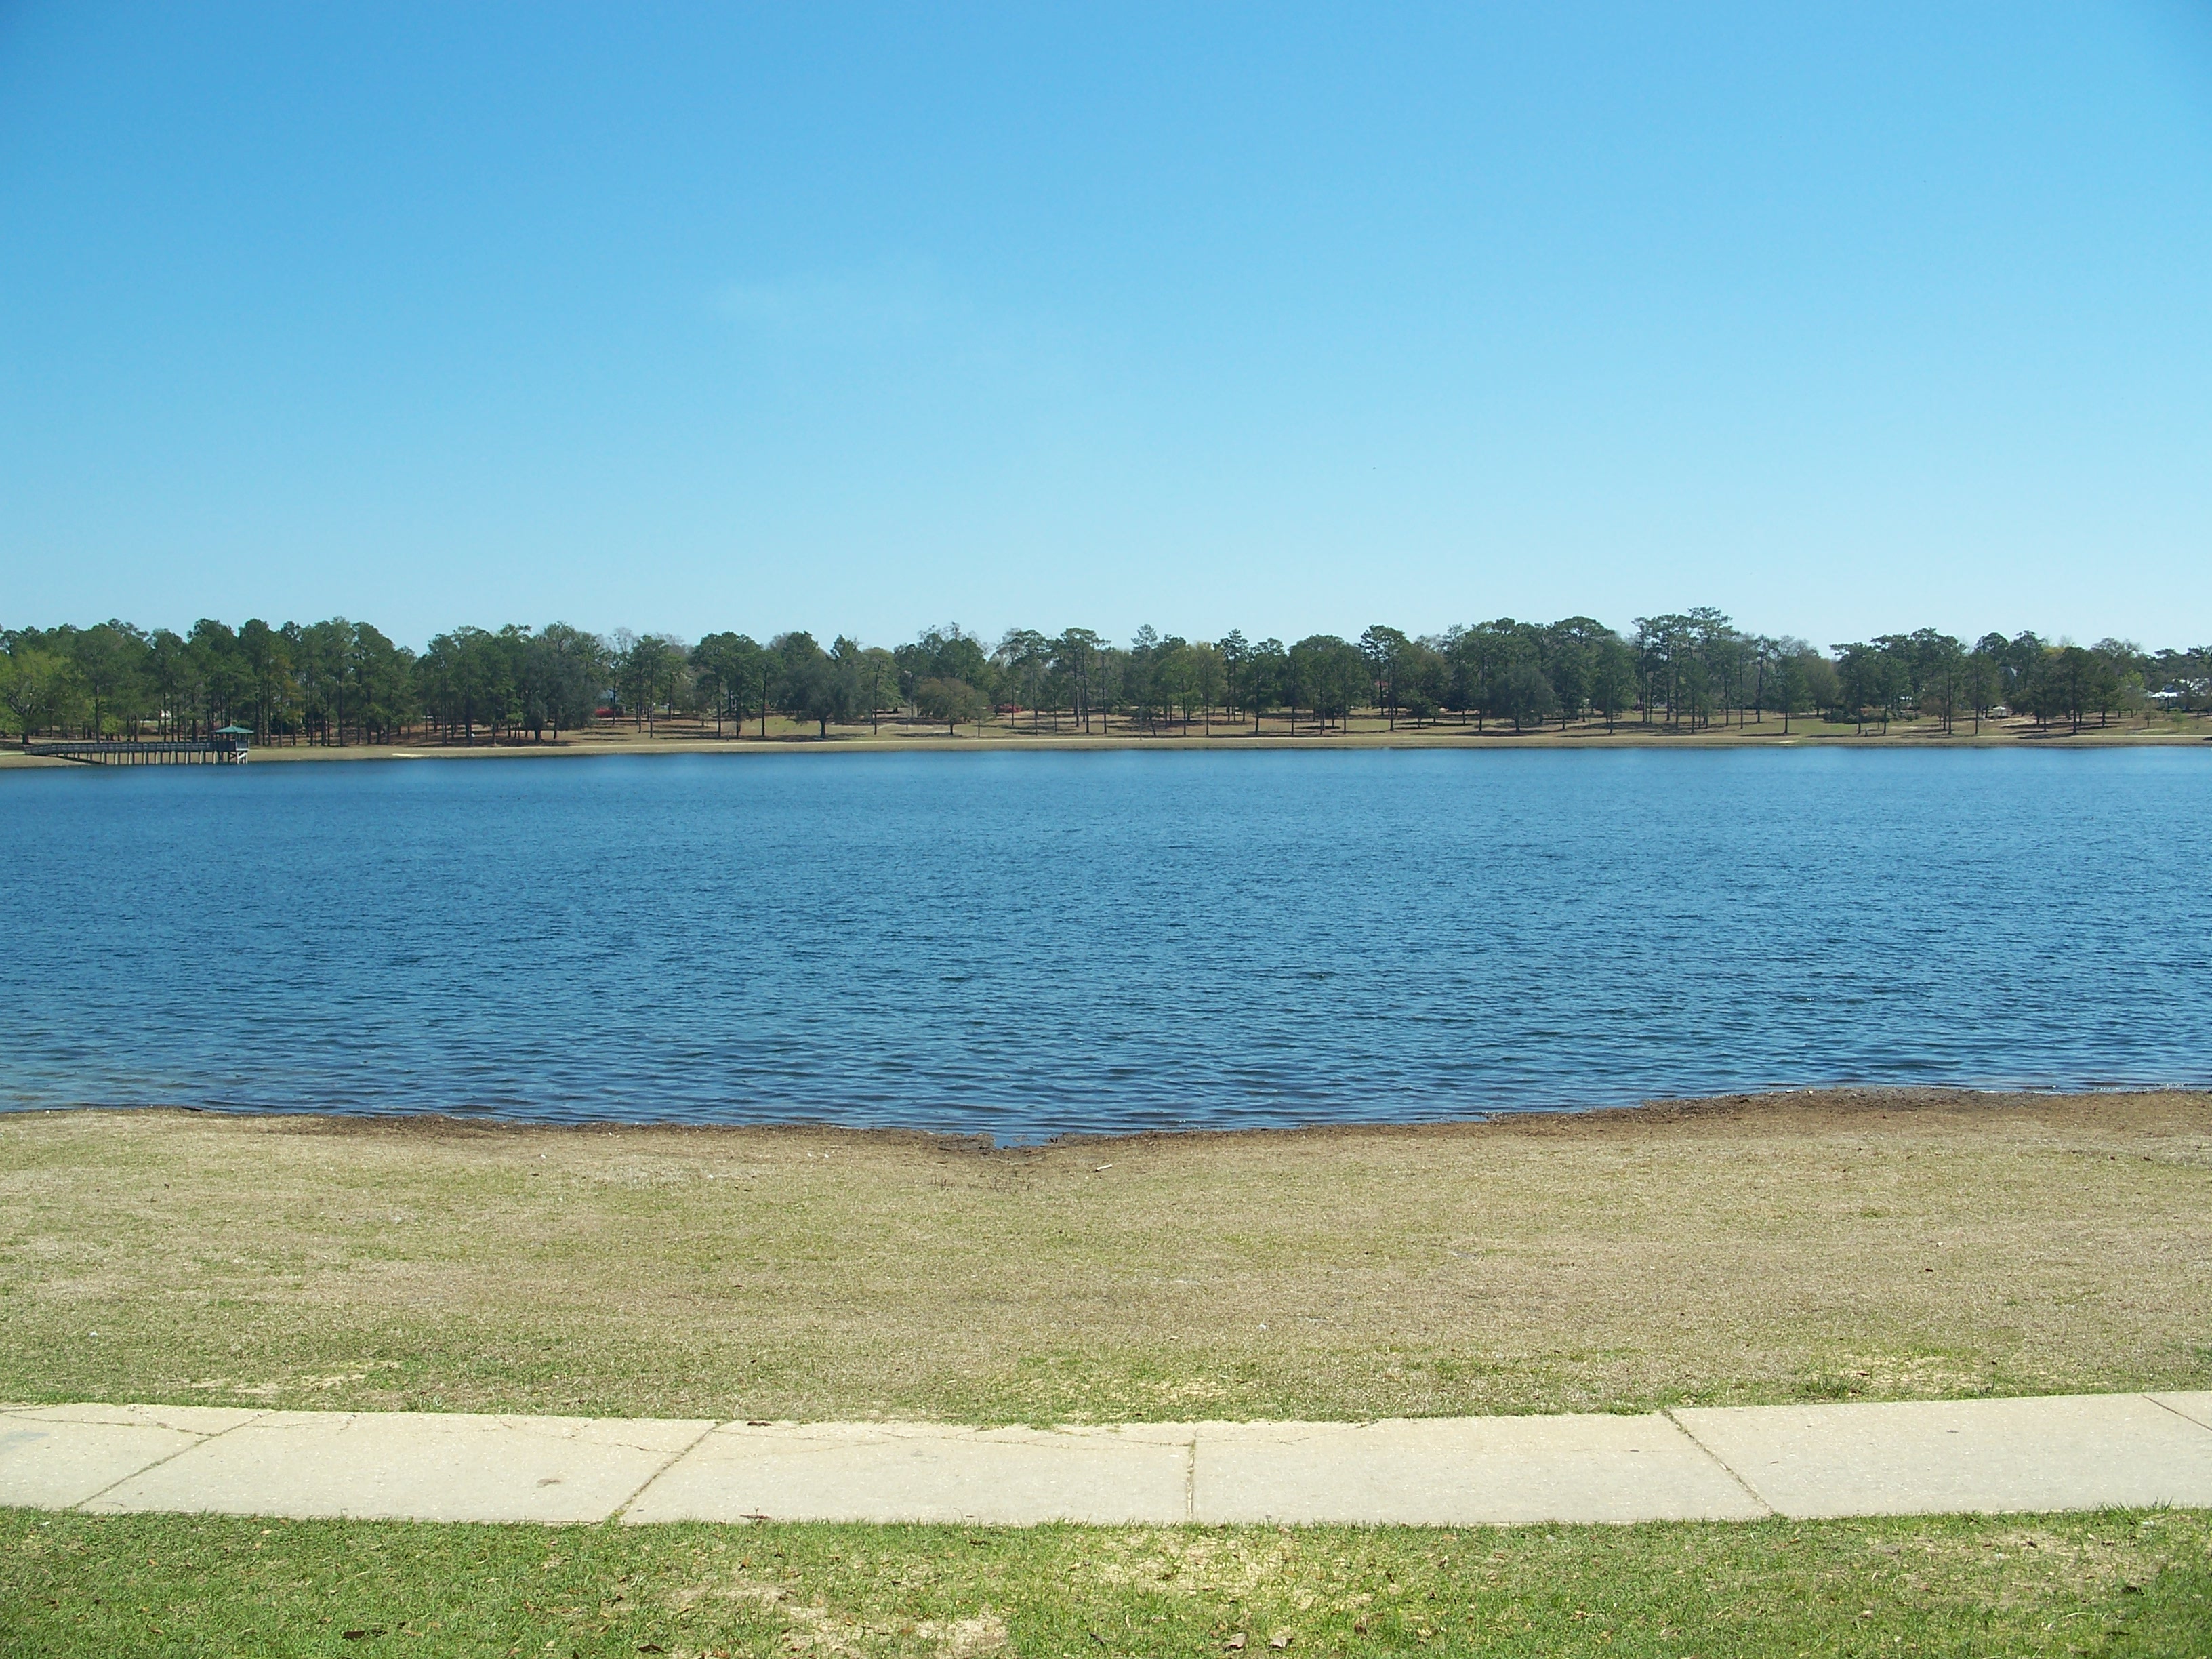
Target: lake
x=1031, y=944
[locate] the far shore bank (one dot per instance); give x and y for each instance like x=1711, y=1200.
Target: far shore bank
x=2190, y=731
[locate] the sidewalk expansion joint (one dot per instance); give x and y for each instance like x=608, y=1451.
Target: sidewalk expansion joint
x=1747, y=1489
x=661, y=1468
x=148, y=1468
x=2197, y=1422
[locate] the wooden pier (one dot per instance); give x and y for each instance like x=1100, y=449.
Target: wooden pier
x=218, y=750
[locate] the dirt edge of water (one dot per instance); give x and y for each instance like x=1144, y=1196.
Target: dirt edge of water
x=1779, y=1110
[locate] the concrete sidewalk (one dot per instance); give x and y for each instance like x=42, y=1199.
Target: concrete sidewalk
x=2080, y=1451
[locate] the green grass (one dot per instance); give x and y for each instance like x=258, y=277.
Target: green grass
x=2113, y=1583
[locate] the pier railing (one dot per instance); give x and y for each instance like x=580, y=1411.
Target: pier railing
x=206, y=751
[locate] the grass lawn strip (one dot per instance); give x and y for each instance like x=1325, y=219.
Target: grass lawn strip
x=2110, y=1584
x=1754, y=1250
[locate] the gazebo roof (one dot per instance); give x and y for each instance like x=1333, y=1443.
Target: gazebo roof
x=233, y=731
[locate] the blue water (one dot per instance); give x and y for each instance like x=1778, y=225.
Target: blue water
x=1028, y=943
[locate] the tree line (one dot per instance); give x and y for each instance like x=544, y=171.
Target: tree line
x=340, y=682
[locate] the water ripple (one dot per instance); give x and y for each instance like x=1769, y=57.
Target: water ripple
x=1031, y=944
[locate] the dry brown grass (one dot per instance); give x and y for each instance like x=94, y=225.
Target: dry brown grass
x=1746, y=1249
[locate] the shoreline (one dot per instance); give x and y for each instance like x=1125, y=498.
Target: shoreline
x=1225, y=742
x=1830, y=1102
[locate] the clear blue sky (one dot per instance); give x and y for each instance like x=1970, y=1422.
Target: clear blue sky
x=1289, y=319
